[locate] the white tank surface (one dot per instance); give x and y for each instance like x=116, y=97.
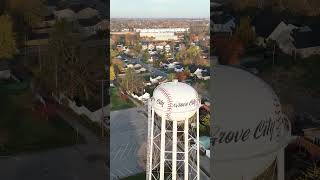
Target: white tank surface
x=249, y=127
x=175, y=101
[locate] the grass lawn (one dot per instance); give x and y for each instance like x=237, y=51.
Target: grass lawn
x=93, y=126
x=140, y=176
x=117, y=103
x=23, y=129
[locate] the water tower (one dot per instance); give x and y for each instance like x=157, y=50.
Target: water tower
x=173, y=133
x=249, y=129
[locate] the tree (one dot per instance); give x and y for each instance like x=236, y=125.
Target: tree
x=244, y=32
x=122, y=40
x=182, y=54
x=242, y=5
x=132, y=82
x=156, y=63
x=181, y=76
x=74, y=68
x=186, y=39
x=236, y=49
x=7, y=41
x=113, y=53
x=204, y=126
x=115, y=39
x=112, y=73
x=145, y=56
x=117, y=65
x=171, y=76
x=229, y=50
x=311, y=173
x=31, y=11
x=193, y=55
x=137, y=48
x=59, y=46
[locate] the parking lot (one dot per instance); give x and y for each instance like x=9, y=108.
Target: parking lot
x=128, y=133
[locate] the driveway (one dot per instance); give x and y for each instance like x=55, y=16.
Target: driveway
x=128, y=133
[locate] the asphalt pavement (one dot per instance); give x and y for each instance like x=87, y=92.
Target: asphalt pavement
x=79, y=162
x=128, y=133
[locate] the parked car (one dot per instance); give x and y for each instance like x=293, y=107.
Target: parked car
x=178, y=68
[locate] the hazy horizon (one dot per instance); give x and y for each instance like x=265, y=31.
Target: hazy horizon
x=167, y=9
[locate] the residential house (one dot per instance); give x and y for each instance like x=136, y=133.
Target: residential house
x=161, y=46
x=306, y=42
x=167, y=48
x=297, y=41
x=282, y=35
x=151, y=46
x=268, y=25
x=223, y=23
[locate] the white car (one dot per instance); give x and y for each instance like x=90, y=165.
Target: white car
x=171, y=66
x=178, y=69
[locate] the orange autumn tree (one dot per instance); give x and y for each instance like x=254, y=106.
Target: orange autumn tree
x=181, y=76
x=236, y=49
x=228, y=49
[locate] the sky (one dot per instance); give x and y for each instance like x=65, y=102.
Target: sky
x=160, y=8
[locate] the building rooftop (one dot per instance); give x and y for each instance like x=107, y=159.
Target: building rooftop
x=306, y=39
x=89, y=22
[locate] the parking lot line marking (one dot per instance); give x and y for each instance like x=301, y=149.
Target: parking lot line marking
x=123, y=152
x=116, y=154
x=129, y=171
x=121, y=173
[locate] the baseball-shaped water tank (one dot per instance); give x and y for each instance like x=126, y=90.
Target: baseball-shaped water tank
x=175, y=101
x=249, y=128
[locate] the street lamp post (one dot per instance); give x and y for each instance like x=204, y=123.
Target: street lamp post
x=102, y=105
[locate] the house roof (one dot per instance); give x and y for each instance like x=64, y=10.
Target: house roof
x=306, y=39
x=89, y=22
x=64, y=13
x=87, y=13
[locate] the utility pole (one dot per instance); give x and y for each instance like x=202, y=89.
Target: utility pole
x=102, y=105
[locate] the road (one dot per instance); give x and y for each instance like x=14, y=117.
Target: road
x=149, y=67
